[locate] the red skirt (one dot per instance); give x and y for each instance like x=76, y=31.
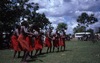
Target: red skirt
x=61, y=42
x=56, y=43
x=23, y=43
x=48, y=42
x=38, y=44
x=30, y=44
x=15, y=43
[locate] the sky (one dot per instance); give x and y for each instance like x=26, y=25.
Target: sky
x=67, y=11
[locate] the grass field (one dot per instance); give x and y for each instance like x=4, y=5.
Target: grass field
x=76, y=52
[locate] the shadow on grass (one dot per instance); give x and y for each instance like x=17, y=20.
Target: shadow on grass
x=68, y=50
x=61, y=51
x=43, y=54
x=34, y=58
x=40, y=55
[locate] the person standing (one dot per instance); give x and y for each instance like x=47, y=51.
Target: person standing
x=48, y=43
x=56, y=41
x=15, y=44
x=22, y=40
x=62, y=42
x=37, y=42
x=14, y=41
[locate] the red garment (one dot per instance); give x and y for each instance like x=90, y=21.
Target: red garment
x=30, y=43
x=15, y=43
x=38, y=43
x=24, y=44
x=56, y=42
x=61, y=42
x=48, y=42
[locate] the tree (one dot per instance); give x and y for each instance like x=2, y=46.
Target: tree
x=79, y=29
x=9, y=14
x=90, y=30
x=62, y=26
x=12, y=12
x=39, y=21
x=36, y=20
x=85, y=20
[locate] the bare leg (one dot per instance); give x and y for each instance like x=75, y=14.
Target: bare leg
x=64, y=45
x=31, y=53
x=15, y=52
x=40, y=51
x=53, y=48
x=25, y=57
x=50, y=49
x=61, y=48
x=24, y=53
x=18, y=54
x=36, y=52
x=58, y=49
x=47, y=49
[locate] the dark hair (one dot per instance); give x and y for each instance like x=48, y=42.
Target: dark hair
x=18, y=27
x=25, y=23
x=14, y=33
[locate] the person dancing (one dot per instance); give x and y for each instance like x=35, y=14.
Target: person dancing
x=14, y=41
x=22, y=40
x=37, y=42
x=56, y=41
x=62, y=40
x=15, y=44
x=48, y=43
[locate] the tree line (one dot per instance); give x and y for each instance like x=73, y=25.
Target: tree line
x=12, y=13
x=84, y=20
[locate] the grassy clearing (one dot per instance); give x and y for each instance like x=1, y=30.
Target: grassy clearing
x=76, y=52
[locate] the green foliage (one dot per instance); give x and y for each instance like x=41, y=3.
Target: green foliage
x=79, y=29
x=11, y=12
x=90, y=30
x=39, y=21
x=85, y=20
x=62, y=26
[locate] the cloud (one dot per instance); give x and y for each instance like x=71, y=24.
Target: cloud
x=56, y=20
x=67, y=11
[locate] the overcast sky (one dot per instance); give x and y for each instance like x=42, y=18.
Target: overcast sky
x=67, y=11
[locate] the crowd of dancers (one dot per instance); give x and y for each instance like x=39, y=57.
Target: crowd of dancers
x=27, y=40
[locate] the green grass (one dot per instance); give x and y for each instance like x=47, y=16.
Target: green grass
x=76, y=52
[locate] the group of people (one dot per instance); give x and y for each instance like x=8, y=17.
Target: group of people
x=27, y=40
